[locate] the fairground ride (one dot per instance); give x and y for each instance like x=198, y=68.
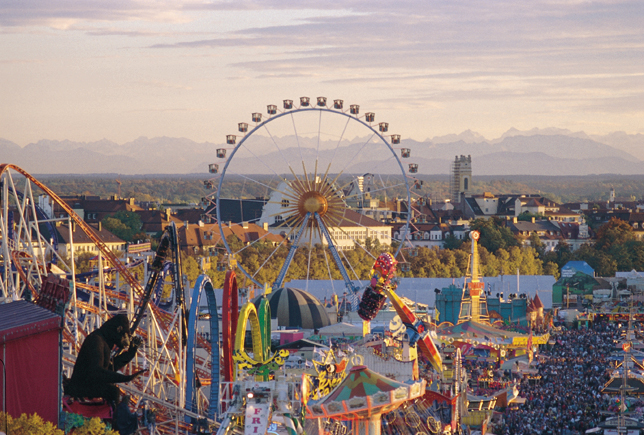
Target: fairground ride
x=181, y=364
x=327, y=176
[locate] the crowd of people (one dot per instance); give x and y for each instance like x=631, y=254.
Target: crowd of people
x=567, y=399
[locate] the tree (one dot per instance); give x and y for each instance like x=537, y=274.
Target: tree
x=537, y=244
x=628, y=256
x=493, y=235
x=452, y=242
x=551, y=268
x=563, y=253
x=34, y=425
x=190, y=268
x=613, y=232
x=600, y=261
x=125, y=225
x=527, y=216
x=83, y=262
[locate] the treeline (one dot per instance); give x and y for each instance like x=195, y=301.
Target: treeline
x=187, y=189
x=616, y=248
x=500, y=252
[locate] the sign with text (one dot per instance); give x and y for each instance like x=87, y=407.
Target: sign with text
x=256, y=418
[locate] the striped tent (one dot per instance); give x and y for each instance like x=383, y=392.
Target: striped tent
x=296, y=308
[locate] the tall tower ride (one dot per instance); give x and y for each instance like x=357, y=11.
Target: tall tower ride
x=474, y=302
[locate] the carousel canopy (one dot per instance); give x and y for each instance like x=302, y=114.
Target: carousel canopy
x=296, y=308
x=364, y=393
x=471, y=329
x=634, y=386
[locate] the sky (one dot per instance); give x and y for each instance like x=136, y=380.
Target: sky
x=121, y=69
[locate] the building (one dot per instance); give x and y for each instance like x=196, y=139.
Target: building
x=548, y=232
x=154, y=221
x=487, y=204
x=577, y=280
x=236, y=210
x=92, y=209
x=574, y=233
x=460, y=178
x=512, y=309
x=82, y=243
x=202, y=239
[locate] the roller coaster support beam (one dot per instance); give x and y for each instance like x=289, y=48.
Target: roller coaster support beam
x=91, y=232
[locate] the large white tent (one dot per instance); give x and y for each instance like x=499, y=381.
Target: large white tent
x=341, y=330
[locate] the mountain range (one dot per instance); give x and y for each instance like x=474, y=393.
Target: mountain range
x=534, y=152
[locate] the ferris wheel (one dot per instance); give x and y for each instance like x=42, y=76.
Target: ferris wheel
x=325, y=187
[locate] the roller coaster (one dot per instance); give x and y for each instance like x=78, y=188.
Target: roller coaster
x=182, y=382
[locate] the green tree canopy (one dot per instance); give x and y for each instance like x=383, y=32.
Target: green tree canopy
x=494, y=236
x=125, y=225
x=613, y=232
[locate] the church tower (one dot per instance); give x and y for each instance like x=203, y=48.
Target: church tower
x=460, y=177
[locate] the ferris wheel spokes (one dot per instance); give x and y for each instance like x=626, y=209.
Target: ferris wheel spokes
x=307, y=164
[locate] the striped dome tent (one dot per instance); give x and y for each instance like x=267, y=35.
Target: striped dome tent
x=296, y=308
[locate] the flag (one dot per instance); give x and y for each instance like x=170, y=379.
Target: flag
x=289, y=424
x=293, y=424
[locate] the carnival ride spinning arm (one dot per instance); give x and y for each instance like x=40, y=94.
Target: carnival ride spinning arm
x=382, y=283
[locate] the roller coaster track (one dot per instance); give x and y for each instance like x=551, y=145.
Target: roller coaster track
x=91, y=234
x=87, y=229
x=162, y=353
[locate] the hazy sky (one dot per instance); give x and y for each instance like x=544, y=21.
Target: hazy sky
x=119, y=69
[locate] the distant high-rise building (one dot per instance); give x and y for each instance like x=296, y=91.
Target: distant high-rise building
x=460, y=177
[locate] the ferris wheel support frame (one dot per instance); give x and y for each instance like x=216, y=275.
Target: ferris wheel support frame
x=277, y=116
x=291, y=253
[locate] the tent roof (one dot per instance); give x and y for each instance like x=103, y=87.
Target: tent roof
x=295, y=308
x=362, y=382
x=471, y=329
x=299, y=344
x=339, y=328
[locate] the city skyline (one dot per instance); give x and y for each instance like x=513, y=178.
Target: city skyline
x=120, y=70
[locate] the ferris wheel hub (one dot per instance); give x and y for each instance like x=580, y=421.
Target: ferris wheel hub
x=313, y=202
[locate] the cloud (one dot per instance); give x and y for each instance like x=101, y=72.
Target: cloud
x=61, y=14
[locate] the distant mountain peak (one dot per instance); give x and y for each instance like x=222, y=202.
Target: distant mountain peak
x=542, y=150
x=549, y=131
x=467, y=136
